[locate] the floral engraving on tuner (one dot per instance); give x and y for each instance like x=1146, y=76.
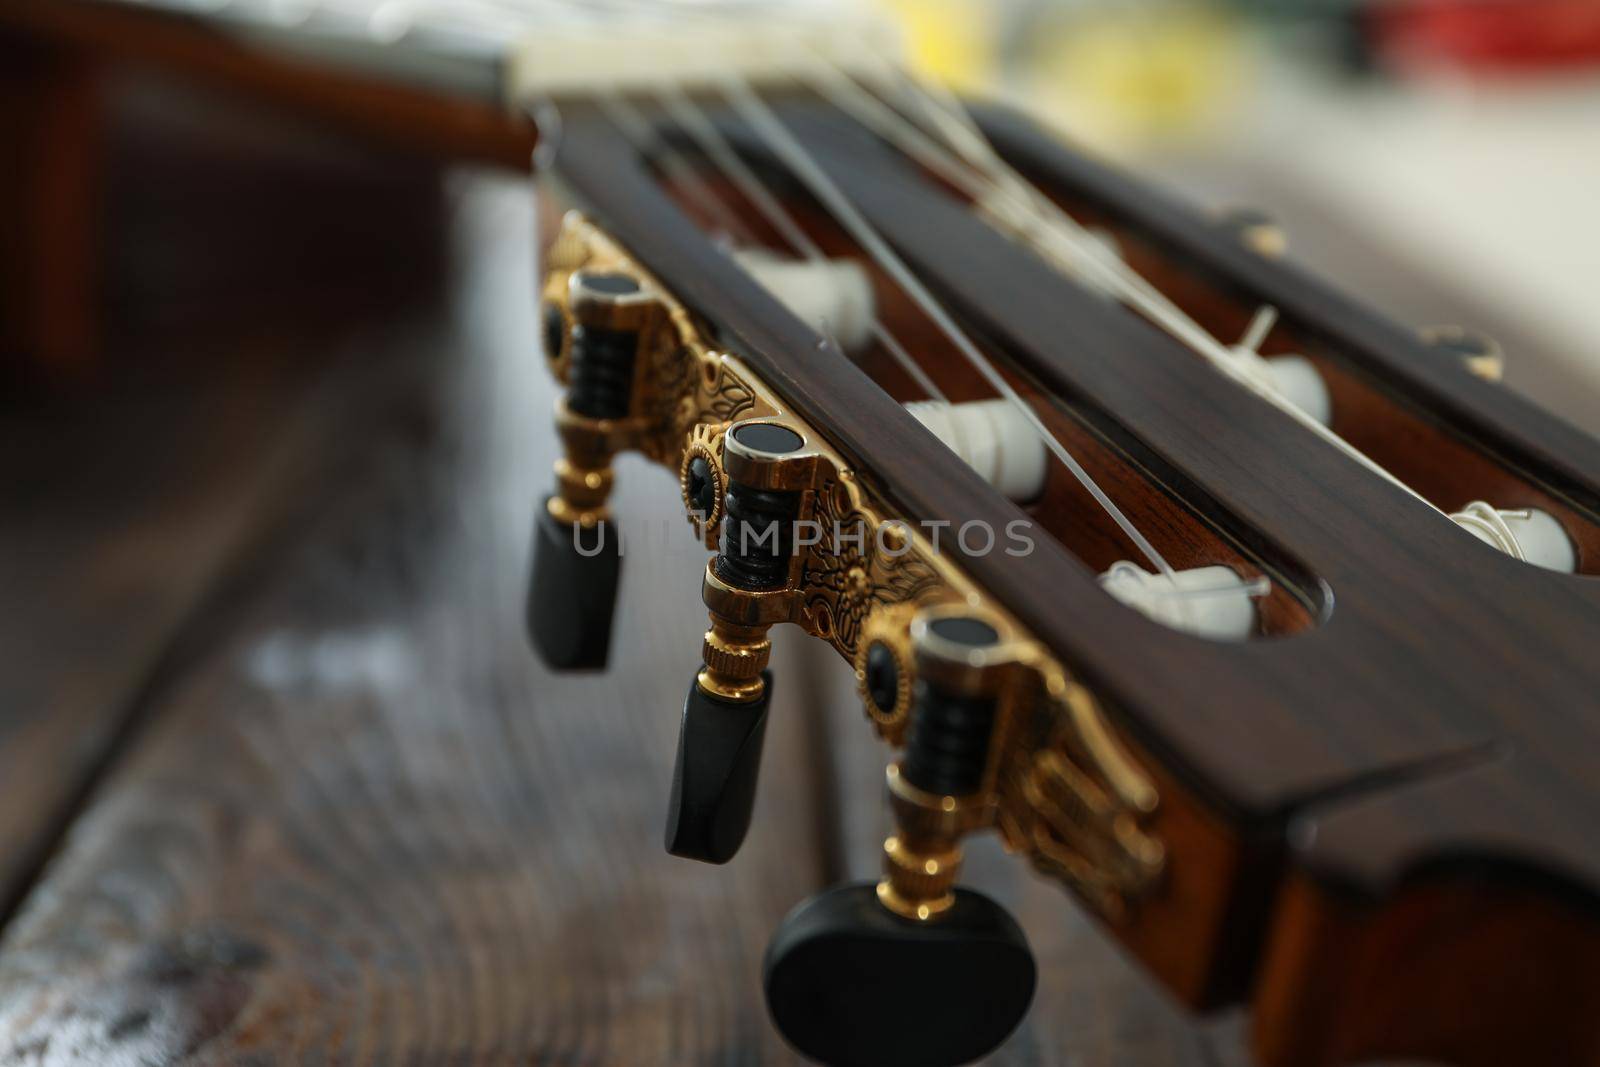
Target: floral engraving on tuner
x=854, y=564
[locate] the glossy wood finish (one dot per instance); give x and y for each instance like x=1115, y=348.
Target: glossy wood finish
x=51, y=120
x=61, y=61
x=1444, y=669
x=467, y=120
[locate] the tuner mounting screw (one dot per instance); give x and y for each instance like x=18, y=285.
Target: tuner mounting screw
x=703, y=484
x=555, y=333
x=1477, y=351
x=883, y=669
x=882, y=677
x=1257, y=230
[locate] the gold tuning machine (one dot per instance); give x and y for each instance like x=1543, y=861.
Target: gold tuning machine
x=599, y=337
x=969, y=677
x=767, y=472
x=993, y=730
x=941, y=956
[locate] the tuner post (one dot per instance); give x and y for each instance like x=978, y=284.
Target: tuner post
x=1479, y=353
x=765, y=475
x=937, y=791
x=595, y=338
x=1256, y=229
x=610, y=313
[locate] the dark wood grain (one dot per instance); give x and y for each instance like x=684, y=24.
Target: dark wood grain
x=465, y=122
x=59, y=68
x=116, y=530
x=51, y=119
x=1501, y=423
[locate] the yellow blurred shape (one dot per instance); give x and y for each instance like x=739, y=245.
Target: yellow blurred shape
x=1120, y=74
x=952, y=40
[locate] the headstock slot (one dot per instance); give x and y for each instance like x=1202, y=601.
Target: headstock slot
x=1417, y=411
x=1190, y=529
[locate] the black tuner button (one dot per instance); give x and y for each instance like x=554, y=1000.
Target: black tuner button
x=851, y=984
x=767, y=438
x=604, y=284
x=572, y=591
x=714, y=778
x=882, y=677
x=555, y=330
x=700, y=486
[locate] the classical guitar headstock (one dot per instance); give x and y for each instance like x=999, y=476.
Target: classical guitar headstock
x=1264, y=626
x=1261, y=624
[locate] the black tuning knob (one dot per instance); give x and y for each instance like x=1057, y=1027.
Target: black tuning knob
x=572, y=591
x=714, y=778
x=915, y=971
x=851, y=984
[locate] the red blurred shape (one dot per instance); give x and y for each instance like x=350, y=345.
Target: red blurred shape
x=1489, y=35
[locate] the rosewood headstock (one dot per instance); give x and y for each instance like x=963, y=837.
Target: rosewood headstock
x=1331, y=755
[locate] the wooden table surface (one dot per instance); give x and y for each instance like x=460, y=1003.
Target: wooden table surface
x=283, y=782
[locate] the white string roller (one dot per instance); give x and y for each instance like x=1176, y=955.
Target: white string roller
x=833, y=296
x=992, y=439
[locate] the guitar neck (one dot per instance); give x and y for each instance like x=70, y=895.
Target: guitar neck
x=427, y=87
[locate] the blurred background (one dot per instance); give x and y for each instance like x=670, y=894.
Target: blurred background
x=1440, y=158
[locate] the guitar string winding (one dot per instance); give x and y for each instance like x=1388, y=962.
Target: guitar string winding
x=727, y=160
x=1491, y=522
x=642, y=136
x=723, y=155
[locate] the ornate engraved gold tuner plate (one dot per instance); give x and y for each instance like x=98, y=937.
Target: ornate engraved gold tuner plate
x=1057, y=785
